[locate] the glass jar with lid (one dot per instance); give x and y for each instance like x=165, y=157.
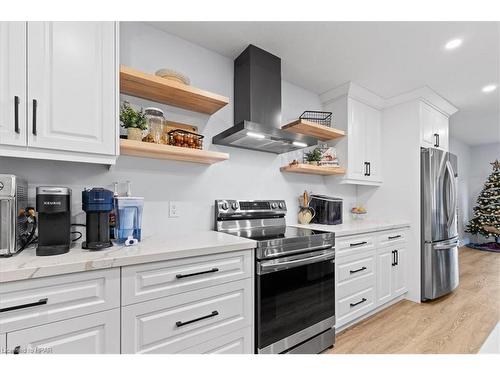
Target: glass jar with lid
x=156, y=123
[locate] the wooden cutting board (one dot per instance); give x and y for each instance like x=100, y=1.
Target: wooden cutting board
x=172, y=125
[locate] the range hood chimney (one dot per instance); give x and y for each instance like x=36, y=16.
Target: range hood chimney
x=257, y=106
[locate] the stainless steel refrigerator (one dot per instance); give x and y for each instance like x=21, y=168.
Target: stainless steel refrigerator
x=439, y=223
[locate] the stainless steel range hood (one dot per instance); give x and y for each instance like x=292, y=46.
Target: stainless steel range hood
x=257, y=106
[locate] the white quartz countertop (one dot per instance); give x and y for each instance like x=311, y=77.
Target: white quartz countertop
x=358, y=226
x=26, y=265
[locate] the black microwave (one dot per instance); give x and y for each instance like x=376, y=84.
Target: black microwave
x=328, y=210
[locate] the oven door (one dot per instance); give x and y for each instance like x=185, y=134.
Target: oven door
x=295, y=299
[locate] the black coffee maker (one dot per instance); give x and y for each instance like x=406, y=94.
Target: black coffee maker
x=53, y=205
x=97, y=203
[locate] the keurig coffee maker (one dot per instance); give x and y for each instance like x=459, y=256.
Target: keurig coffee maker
x=53, y=205
x=97, y=203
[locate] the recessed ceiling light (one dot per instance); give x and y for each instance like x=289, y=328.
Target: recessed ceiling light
x=454, y=43
x=489, y=88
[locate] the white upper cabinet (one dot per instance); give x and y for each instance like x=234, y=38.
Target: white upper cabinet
x=13, y=83
x=434, y=127
x=71, y=73
x=66, y=77
x=355, y=110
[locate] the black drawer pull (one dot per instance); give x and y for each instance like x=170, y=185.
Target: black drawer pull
x=35, y=105
x=180, y=275
x=43, y=301
x=357, y=303
x=358, y=244
x=16, y=350
x=180, y=324
x=16, y=114
x=394, y=237
x=358, y=270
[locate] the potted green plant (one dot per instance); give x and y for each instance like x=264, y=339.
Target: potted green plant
x=134, y=121
x=314, y=156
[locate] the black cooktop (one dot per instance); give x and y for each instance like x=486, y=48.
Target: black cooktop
x=274, y=233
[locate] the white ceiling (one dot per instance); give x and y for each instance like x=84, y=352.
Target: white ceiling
x=388, y=58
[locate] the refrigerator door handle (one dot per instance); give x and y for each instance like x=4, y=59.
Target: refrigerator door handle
x=446, y=246
x=452, y=209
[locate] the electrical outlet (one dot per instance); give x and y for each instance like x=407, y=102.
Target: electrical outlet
x=173, y=209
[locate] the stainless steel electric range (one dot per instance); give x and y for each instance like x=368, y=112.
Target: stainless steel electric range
x=294, y=281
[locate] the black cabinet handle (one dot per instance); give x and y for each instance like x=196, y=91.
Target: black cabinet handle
x=366, y=168
x=180, y=275
x=180, y=324
x=43, y=301
x=394, y=237
x=357, y=303
x=436, y=140
x=358, y=244
x=397, y=256
x=393, y=263
x=35, y=105
x=358, y=270
x=16, y=114
x=16, y=350
x=369, y=168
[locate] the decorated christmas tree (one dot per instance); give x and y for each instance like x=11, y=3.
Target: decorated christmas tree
x=486, y=221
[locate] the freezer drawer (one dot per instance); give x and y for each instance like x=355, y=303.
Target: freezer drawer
x=439, y=268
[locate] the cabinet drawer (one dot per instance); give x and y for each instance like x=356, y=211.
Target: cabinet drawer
x=97, y=333
x=28, y=303
x=172, y=324
x=355, y=305
x=351, y=287
x=351, y=245
x=391, y=237
x=355, y=267
x=237, y=342
x=161, y=279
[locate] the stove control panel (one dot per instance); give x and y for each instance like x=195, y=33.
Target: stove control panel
x=237, y=208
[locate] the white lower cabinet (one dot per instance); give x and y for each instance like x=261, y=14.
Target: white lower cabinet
x=202, y=304
x=90, y=334
x=175, y=323
x=370, y=272
x=237, y=342
x=3, y=343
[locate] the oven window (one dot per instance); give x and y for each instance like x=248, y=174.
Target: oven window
x=291, y=300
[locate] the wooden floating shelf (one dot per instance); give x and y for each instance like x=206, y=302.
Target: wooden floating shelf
x=151, y=87
x=156, y=151
x=321, y=132
x=313, y=169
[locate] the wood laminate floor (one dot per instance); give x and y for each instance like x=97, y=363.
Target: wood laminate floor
x=457, y=323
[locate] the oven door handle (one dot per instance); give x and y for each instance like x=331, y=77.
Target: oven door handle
x=274, y=265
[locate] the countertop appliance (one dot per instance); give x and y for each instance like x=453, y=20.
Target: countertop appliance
x=257, y=106
x=439, y=243
x=294, y=281
x=53, y=205
x=128, y=219
x=328, y=209
x=97, y=203
x=13, y=223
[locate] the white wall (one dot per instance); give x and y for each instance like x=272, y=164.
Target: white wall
x=480, y=169
x=463, y=152
x=247, y=175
